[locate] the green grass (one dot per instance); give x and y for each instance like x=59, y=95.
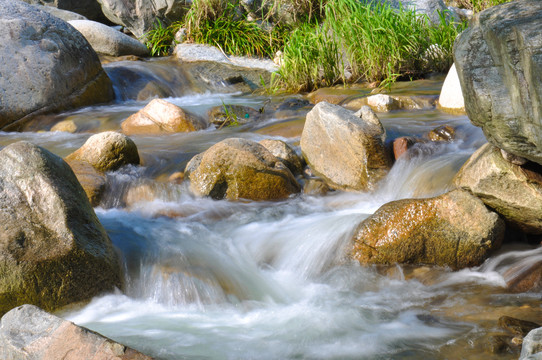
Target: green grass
x=479, y=5
x=160, y=39
x=373, y=42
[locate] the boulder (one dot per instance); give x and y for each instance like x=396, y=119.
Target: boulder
x=28, y=332
x=240, y=169
x=89, y=9
x=517, y=326
x=107, y=151
x=346, y=150
x=454, y=229
x=65, y=15
x=108, y=41
x=160, y=116
x=451, y=96
x=53, y=249
x=284, y=153
x=499, y=64
x=532, y=345
x=141, y=16
x=382, y=103
x=92, y=181
x=513, y=191
x=46, y=66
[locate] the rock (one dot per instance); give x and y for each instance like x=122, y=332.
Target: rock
x=532, y=345
x=46, y=66
x=65, y=125
x=442, y=133
x=141, y=16
x=332, y=95
x=27, y=332
x=345, y=150
x=431, y=8
x=523, y=277
x=107, y=151
x=284, y=153
x=240, y=169
x=451, y=96
x=517, y=326
x=91, y=180
x=315, y=187
x=499, y=66
x=394, y=102
x=61, y=14
x=402, y=144
x=435, y=231
x=160, y=116
x=232, y=115
x=382, y=103
x=87, y=9
x=516, y=160
x=513, y=191
x=53, y=249
x=108, y=41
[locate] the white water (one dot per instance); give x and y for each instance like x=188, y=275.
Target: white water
x=271, y=280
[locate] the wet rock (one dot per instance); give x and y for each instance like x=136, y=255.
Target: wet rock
x=160, y=116
x=523, y=277
x=46, y=66
x=451, y=96
x=315, y=187
x=107, y=151
x=284, y=153
x=140, y=17
x=382, y=103
x=92, y=181
x=346, y=150
x=385, y=103
x=499, y=66
x=532, y=346
x=27, y=332
x=516, y=326
x=66, y=125
x=89, y=9
x=498, y=344
x=442, y=133
x=232, y=115
x=108, y=41
x=240, y=169
x=513, y=191
x=402, y=144
x=437, y=231
x=331, y=95
x=53, y=249
x=516, y=160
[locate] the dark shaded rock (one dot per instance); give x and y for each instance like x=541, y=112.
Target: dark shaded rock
x=53, y=249
x=46, y=66
x=228, y=115
x=92, y=181
x=517, y=326
x=88, y=8
x=454, y=229
x=442, y=133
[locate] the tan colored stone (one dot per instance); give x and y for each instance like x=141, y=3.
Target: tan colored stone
x=92, y=181
x=454, y=229
x=160, y=116
x=240, y=169
x=284, y=153
x=66, y=126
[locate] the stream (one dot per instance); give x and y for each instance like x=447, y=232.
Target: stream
x=212, y=279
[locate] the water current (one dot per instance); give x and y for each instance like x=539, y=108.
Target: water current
x=269, y=280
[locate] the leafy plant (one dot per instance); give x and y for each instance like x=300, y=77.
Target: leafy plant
x=160, y=39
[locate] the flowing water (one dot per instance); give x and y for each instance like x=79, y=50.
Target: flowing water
x=269, y=280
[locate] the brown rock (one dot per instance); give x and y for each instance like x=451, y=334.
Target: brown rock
x=240, y=169
x=27, y=332
x=160, y=116
x=524, y=277
x=454, y=229
x=315, y=187
x=107, y=151
x=517, y=326
x=92, y=181
x=442, y=133
x=284, y=153
x=402, y=144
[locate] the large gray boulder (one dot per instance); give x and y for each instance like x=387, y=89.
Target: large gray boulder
x=29, y=333
x=108, y=41
x=140, y=16
x=53, y=249
x=532, y=346
x=345, y=149
x=90, y=9
x=45, y=66
x=499, y=63
x=454, y=229
x=237, y=168
x=511, y=190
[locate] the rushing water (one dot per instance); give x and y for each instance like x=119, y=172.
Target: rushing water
x=269, y=280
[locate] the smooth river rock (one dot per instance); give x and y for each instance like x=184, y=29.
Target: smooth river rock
x=161, y=116
x=240, y=169
x=108, y=41
x=27, y=332
x=107, y=151
x=53, y=249
x=284, y=153
x=499, y=63
x=511, y=190
x=345, y=149
x=454, y=229
x=45, y=65
x=532, y=345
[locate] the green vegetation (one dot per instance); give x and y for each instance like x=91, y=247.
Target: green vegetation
x=159, y=40
x=479, y=5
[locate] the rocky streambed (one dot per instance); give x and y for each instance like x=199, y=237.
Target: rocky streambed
x=233, y=224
